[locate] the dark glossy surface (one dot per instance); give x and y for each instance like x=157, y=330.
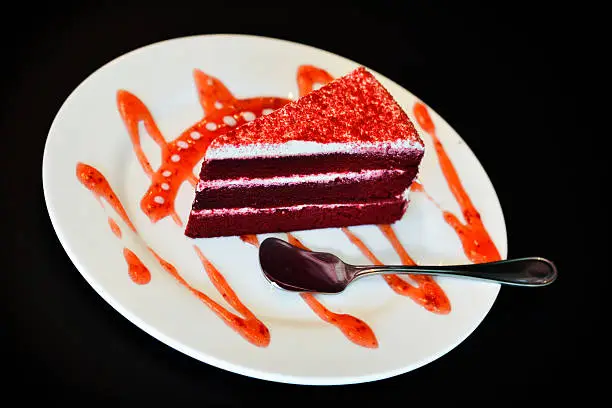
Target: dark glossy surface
x=293, y=268
x=519, y=83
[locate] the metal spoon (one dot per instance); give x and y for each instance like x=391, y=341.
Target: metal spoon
x=296, y=269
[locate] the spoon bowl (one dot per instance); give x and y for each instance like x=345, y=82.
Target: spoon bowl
x=299, y=270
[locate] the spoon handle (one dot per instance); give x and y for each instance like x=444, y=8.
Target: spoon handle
x=531, y=271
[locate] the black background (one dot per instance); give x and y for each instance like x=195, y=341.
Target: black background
x=518, y=82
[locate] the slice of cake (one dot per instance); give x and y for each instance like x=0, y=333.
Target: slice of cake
x=342, y=155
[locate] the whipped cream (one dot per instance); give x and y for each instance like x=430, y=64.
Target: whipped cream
x=306, y=148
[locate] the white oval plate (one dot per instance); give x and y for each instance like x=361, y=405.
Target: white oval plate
x=303, y=349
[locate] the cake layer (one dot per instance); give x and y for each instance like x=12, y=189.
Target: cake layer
x=324, y=188
x=325, y=163
x=239, y=221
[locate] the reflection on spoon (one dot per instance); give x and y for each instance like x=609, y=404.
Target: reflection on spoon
x=299, y=270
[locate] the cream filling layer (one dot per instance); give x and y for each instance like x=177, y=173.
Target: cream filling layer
x=245, y=182
x=304, y=148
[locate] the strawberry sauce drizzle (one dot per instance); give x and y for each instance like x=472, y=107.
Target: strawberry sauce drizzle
x=422, y=296
x=417, y=187
x=477, y=244
x=250, y=239
x=179, y=156
x=248, y=327
x=430, y=295
x=138, y=272
x=114, y=227
x=308, y=76
x=95, y=182
x=356, y=330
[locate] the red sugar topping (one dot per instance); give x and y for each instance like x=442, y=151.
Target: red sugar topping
x=354, y=108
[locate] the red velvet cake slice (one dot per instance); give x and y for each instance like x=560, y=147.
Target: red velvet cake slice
x=342, y=155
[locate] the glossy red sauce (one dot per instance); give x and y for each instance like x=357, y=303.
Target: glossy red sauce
x=477, y=244
x=250, y=239
x=114, y=227
x=356, y=330
x=416, y=186
x=249, y=327
x=138, y=272
x=95, y=182
x=427, y=293
x=308, y=76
